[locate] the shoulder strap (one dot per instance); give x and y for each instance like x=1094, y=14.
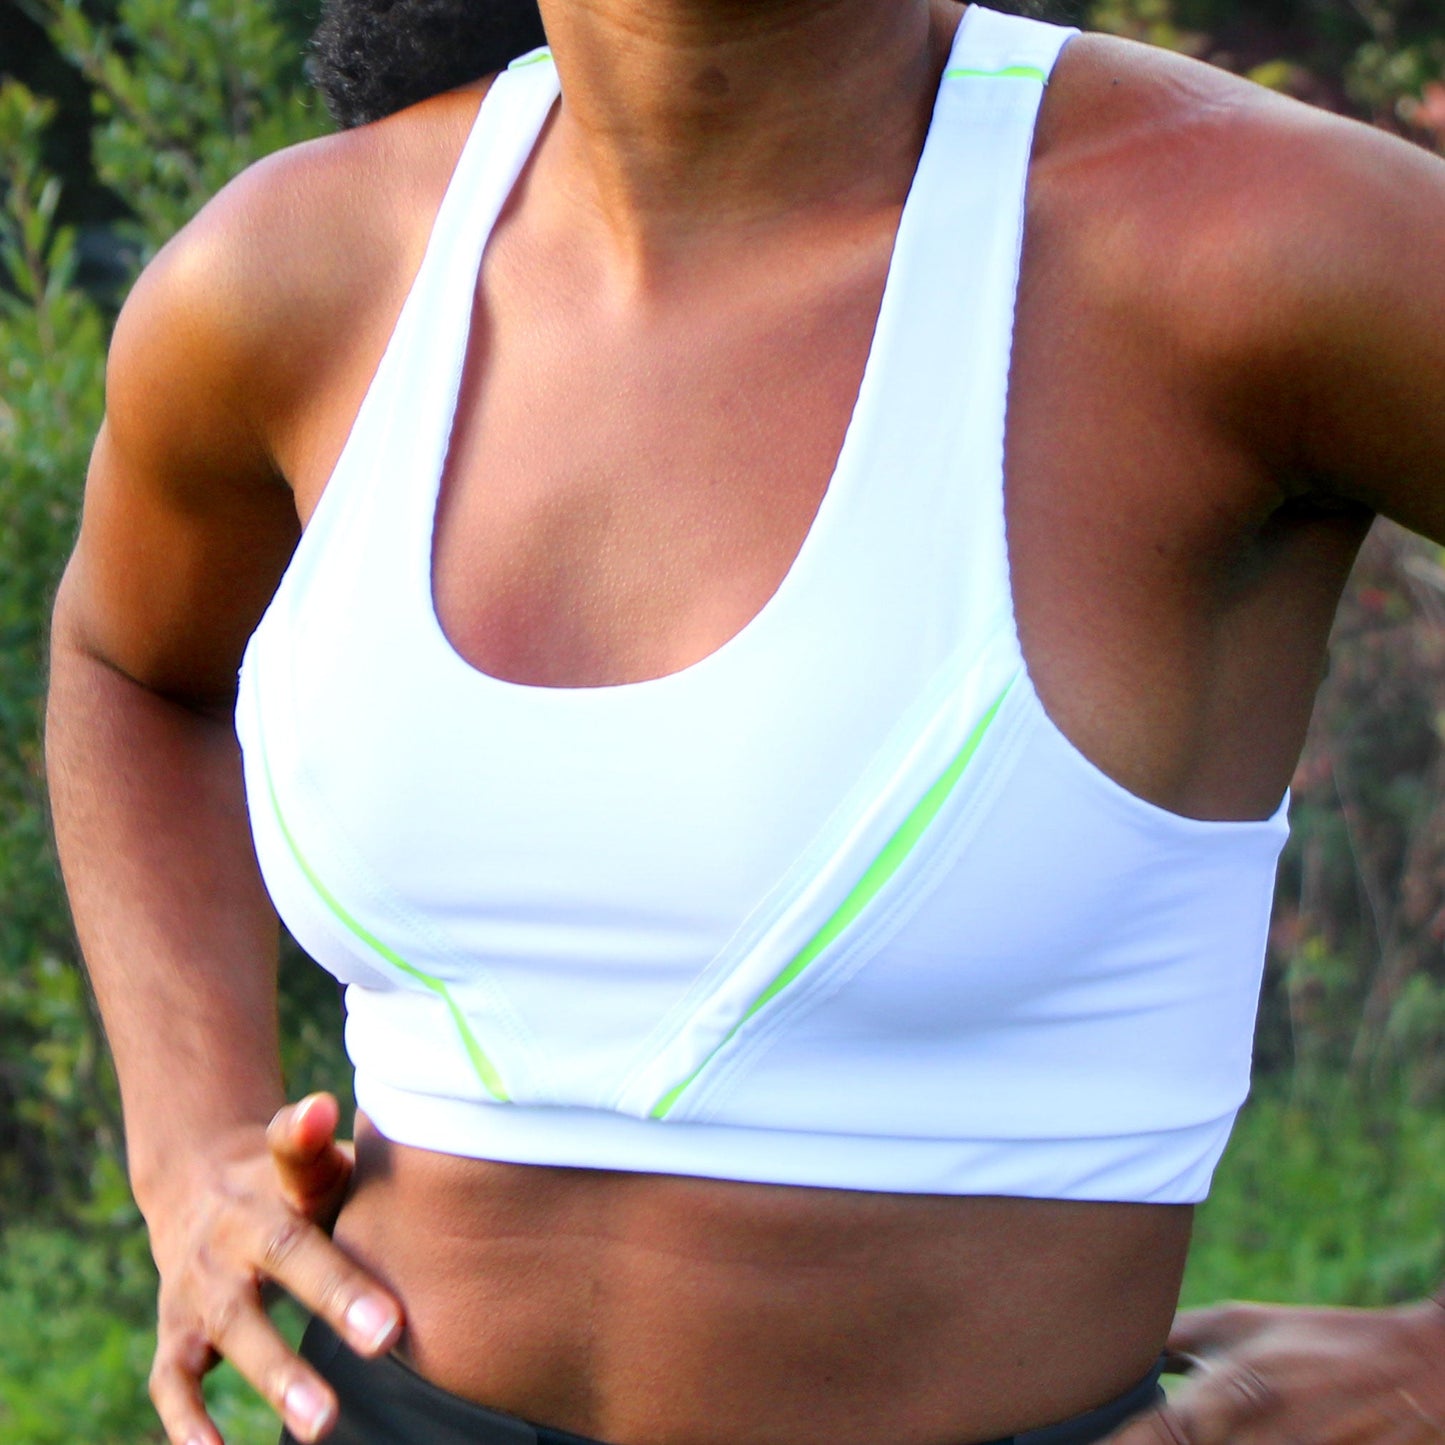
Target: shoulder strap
x=500, y=144
x=930, y=420
x=405, y=420
x=990, y=45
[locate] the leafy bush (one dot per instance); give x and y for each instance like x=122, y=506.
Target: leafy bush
x=185, y=97
x=1358, y=979
x=76, y=1337
x=1324, y=1199
x=52, y=339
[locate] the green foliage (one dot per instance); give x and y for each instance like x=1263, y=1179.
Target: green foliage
x=187, y=96
x=1152, y=21
x=52, y=339
x=1336, y=1202
x=76, y=1337
x=1382, y=60
x=1357, y=974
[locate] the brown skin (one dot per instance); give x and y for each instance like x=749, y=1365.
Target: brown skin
x=1229, y=357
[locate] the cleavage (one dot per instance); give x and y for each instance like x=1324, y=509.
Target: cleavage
x=628, y=485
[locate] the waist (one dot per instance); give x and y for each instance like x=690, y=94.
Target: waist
x=383, y=1400
x=631, y=1306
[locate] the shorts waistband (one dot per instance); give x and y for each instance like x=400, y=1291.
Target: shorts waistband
x=385, y=1402
x=1098, y=1423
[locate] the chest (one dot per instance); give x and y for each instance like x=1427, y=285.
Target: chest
x=627, y=484
x=624, y=493
x=630, y=479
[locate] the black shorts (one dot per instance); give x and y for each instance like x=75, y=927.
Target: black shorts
x=384, y=1402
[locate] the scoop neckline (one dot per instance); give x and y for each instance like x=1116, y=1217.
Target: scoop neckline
x=841, y=481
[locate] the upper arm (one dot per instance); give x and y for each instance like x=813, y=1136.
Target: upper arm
x=186, y=525
x=236, y=365
x=1359, y=266
x=243, y=331
x=1292, y=260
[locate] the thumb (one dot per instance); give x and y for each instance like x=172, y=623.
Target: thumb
x=1198, y=1334
x=312, y=1167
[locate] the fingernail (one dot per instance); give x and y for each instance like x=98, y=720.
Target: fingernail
x=370, y=1321
x=308, y=1409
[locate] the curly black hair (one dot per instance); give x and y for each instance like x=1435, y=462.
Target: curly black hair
x=372, y=57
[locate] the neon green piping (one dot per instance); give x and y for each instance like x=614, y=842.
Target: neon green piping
x=1009, y=72
x=879, y=871
x=486, y=1072
x=530, y=59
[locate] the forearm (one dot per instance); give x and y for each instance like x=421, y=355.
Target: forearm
x=174, y=923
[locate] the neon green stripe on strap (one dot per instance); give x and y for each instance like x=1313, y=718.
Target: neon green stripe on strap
x=879, y=871
x=486, y=1070
x=1009, y=72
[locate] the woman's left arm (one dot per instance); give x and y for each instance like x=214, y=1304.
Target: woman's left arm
x=1346, y=279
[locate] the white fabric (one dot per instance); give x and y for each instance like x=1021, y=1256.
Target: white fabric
x=1053, y=994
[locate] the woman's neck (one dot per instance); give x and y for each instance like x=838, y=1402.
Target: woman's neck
x=683, y=118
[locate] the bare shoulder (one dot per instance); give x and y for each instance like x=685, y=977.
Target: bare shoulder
x=240, y=329
x=1290, y=252
x=1186, y=170
x=248, y=310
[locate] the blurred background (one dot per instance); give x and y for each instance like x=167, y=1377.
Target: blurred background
x=118, y=118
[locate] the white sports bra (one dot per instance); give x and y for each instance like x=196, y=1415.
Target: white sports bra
x=836, y=906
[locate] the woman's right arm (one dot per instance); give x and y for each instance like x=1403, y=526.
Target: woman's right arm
x=186, y=529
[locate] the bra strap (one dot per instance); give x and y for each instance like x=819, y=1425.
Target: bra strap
x=931, y=416
x=991, y=46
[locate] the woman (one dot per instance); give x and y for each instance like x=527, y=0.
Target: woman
x=800, y=940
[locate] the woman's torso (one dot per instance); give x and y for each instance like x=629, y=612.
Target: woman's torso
x=642, y=1308
x=1151, y=563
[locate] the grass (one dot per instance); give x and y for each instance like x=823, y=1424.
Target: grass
x=1333, y=1203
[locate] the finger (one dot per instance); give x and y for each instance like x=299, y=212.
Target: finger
x=1418, y=1417
x=310, y=1124
x=300, y=1133
x=1177, y=1362
x=305, y=1262
x=175, y=1390
x=311, y=1166
x=1225, y=1402
x=241, y=1331
x=1199, y=1333
x=1379, y=1421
